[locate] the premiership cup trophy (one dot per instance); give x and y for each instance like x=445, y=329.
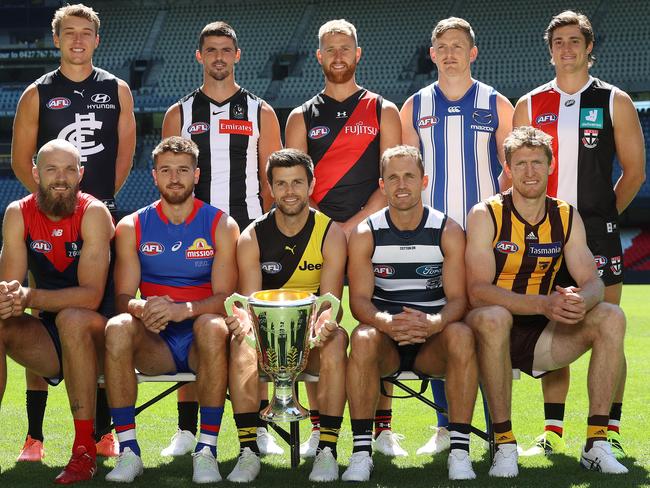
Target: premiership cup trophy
x=283, y=322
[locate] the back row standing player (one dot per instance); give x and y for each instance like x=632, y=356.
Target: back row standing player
x=590, y=121
x=93, y=110
x=459, y=124
x=236, y=132
x=345, y=129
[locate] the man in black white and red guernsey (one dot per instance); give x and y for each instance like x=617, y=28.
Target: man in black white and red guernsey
x=236, y=132
x=591, y=121
x=62, y=236
x=345, y=129
x=93, y=110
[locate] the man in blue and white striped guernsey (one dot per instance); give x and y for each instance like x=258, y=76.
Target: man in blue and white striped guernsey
x=407, y=289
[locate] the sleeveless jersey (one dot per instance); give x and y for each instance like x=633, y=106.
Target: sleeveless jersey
x=176, y=260
x=408, y=264
x=458, y=146
x=583, y=148
x=343, y=142
x=85, y=113
x=54, y=248
x=528, y=256
x=227, y=134
x=292, y=262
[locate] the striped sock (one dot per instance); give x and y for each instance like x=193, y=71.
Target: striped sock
x=361, y=435
x=383, y=419
x=210, y=424
x=554, y=417
x=596, y=430
x=459, y=434
x=247, y=430
x=124, y=419
x=439, y=396
x=503, y=433
x=614, y=423
x=314, y=418
x=329, y=432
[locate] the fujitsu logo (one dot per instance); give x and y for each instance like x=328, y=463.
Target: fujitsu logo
x=360, y=129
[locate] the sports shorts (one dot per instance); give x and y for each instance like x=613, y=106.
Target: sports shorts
x=179, y=336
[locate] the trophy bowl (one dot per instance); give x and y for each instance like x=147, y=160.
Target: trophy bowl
x=283, y=322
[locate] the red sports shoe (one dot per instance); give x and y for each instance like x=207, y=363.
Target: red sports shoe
x=81, y=467
x=32, y=450
x=107, y=447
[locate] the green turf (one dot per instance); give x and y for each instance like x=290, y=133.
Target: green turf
x=411, y=418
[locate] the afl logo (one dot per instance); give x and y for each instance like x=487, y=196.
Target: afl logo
x=507, y=247
x=58, y=103
x=100, y=98
x=383, y=270
x=271, y=267
x=152, y=248
x=544, y=119
x=426, y=122
x=198, y=128
x=319, y=132
x=601, y=261
x=428, y=270
x=41, y=246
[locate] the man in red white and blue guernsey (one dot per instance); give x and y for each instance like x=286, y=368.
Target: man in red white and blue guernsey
x=180, y=253
x=62, y=236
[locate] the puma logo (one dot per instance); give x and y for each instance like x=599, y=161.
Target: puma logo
x=81, y=93
x=292, y=249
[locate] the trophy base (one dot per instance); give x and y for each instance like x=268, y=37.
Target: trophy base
x=277, y=412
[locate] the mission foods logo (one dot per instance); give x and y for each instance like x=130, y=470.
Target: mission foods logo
x=319, y=132
x=507, y=247
x=152, y=248
x=383, y=270
x=200, y=249
x=58, y=103
x=198, y=128
x=41, y=246
x=239, y=127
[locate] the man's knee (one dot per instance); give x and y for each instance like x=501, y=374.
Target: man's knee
x=334, y=351
x=365, y=343
x=75, y=324
x=120, y=334
x=459, y=341
x=490, y=323
x=210, y=331
x=608, y=320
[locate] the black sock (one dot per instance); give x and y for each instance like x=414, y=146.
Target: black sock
x=260, y=422
x=382, y=421
x=247, y=430
x=554, y=417
x=615, y=417
x=36, y=402
x=329, y=432
x=102, y=414
x=361, y=434
x=188, y=416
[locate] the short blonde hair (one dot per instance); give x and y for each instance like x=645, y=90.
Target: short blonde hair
x=453, y=23
x=77, y=10
x=527, y=136
x=338, y=26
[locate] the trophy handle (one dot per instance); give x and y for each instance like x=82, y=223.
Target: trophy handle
x=229, y=303
x=335, y=305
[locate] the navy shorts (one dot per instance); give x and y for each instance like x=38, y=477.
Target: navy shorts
x=179, y=337
x=524, y=335
x=49, y=322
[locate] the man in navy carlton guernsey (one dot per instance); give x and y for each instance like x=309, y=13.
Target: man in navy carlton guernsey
x=62, y=237
x=180, y=253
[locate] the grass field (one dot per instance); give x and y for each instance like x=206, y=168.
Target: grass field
x=410, y=418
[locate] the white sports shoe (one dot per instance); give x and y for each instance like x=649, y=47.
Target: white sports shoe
x=387, y=443
x=204, y=467
x=247, y=467
x=439, y=442
x=600, y=458
x=460, y=465
x=183, y=442
x=308, y=448
x=325, y=467
x=360, y=467
x=128, y=467
x=266, y=443
x=504, y=464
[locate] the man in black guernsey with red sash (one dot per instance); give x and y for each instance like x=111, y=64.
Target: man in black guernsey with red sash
x=590, y=122
x=345, y=129
x=93, y=110
x=62, y=236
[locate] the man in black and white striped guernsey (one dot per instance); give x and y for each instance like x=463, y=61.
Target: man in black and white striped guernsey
x=407, y=289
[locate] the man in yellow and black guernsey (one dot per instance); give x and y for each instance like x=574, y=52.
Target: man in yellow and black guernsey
x=296, y=247
x=516, y=242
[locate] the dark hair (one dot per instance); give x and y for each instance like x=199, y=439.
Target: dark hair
x=402, y=151
x=220, y=29
x=527, y=136
x=288, y=158
x=569, y=17
x=176, y=145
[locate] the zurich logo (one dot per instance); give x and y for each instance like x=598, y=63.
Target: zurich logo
x=319, y=132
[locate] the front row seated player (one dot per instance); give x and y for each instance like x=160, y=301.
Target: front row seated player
x=180, y=253
x=62, y=236
x=407, y=289
x=296, y=247
x=516, y=242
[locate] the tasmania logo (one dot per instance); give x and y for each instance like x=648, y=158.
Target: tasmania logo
x=426, y=122
x=544, y=119
x=200, y=249
x=152, y=248
x=198, y=128
x=58, y=103
x=239, y=127
x=507, y=247
x=319, y=132
x=383, y=270
x=41, y=246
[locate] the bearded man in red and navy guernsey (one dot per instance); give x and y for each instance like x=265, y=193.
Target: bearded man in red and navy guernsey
x=180, y=253
x=62, y=236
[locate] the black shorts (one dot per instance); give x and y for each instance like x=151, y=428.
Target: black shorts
x=524, y=335
x=608, y=255
x=407, y=355
x=49, y=322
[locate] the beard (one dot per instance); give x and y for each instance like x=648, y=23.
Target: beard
x=340, y=76
x=57, y=205
x=291, y=211
x=218, y=75
x=174, y=198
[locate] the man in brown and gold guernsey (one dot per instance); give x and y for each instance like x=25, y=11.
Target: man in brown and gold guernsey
x=516, y=242
x=296, y=247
